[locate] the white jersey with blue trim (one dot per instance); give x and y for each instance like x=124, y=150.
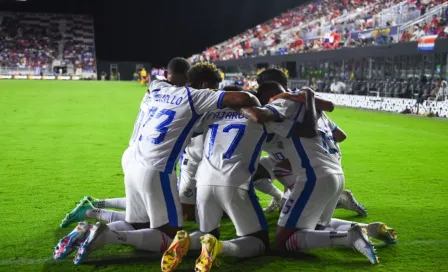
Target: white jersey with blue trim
x=232, y=147
x=275, y=148
x=326, y=128
x=142, y=115
x=193, y=153
x=173, y=112
x=310, y=158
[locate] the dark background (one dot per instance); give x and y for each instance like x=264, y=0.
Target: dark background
x=156, y=31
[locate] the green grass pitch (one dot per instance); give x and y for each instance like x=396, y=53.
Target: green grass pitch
x=60, y=141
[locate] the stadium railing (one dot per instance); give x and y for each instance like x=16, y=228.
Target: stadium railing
x=426, y=18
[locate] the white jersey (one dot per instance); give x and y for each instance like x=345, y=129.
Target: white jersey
x=326, y=129
x=142, y=115
x=173, y=112
x=310, y=158
x=232, y=147
x=193, y=154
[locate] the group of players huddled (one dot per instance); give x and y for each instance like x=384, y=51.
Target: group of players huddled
x=217, y=137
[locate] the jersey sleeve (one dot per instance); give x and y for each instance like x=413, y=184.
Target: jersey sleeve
x=158, y=84
x=287, y=109
x=206, y=100
x=289, y=113
x=281, y=128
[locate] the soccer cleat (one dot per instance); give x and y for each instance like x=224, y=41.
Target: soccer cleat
x=347, y=201
x=177, y=250
x=362, y=244
x=92, y=242
x=67, y=244
x=78, y=213
x=94, y=201
x=273, y=206
x=382, y=232
x=211, y=247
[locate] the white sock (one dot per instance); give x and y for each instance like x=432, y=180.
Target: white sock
x=265, y=185
x=312, y=239
x=340, y=225
x=112, y=216
x=195, y=241
x=243, y=247
x=115, y=203
x=120, y=226
x=152, y=240
x=105, y=215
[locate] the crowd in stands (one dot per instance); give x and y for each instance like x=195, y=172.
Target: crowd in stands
x=34, y=41
x=26, y=46
x=328, y=25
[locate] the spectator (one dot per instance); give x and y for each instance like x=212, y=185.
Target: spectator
x=338, y=87
x=417, y=34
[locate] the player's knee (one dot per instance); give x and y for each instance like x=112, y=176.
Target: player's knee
x=263, y=235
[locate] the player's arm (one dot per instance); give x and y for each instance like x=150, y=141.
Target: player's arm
x=260, y=115
x=237, y=100
x=300, y=97
x=339, y=135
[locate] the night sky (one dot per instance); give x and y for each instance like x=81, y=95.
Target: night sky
x=156, y=31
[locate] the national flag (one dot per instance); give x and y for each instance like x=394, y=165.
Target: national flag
x=426, y=43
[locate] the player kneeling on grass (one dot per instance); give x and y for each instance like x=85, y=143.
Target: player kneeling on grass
x=232, y=149
x=316, y=192
x=153, y=214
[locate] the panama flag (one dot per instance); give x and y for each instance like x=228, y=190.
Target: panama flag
x=427, y=42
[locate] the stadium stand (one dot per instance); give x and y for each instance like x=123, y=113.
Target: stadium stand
x=328, y=25
x=47, y=44
x=372, y=55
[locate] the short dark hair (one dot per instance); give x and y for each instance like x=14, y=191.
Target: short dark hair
x=178, y=66
x=232, y=88
x=267, y=90
x=273, y=74
x=204, y=72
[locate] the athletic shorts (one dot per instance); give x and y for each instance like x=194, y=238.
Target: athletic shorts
x=311, y=202
x=241, y=205
x=151, y=196
x=187, y=181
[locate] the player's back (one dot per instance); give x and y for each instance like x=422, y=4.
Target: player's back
x=306, y=155
x=141, y=116
x=173, y=112
x=232, y=146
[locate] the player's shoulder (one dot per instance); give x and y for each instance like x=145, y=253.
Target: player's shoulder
x=159, y=84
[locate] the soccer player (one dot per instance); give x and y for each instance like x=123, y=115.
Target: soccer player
x=93, y=208
x=143, y=76
x=177, y=73
x=189, y=162
x=317, y=190
x=231, y=151
x=282, y=169
x=153, y=212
